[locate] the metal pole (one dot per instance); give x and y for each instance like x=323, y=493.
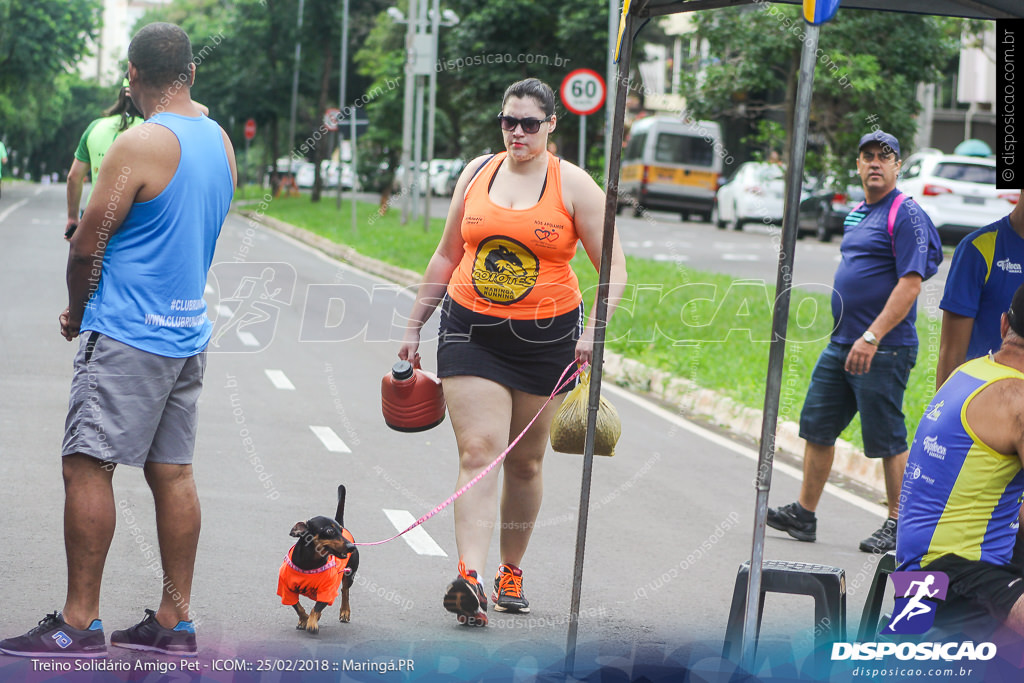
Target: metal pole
x=355, y=165
x=600, y=316
x=407, y=111
x=777, y=350
x=583, y=143
x=435, y=28
x=341, y=98
x=613, y=29
x=295, y=83
x=417, y=147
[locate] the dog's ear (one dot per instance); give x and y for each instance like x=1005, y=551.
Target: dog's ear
x=299, y=529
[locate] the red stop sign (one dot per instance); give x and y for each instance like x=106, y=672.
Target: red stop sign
x=250, y=129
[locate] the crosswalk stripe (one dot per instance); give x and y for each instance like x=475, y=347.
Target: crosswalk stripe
x=418, y=539
x=279, y=379
x=330, y=440
x=248, y=339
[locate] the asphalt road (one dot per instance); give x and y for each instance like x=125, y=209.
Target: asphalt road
x=291, y=409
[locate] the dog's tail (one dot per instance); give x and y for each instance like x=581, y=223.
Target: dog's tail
x=339, y=516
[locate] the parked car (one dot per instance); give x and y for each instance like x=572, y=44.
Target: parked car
x=957, y=192
x=825, y=205
x=422, y=178
x=329, y=174
x=671, y=164
x=755, y=193
x=444, y=173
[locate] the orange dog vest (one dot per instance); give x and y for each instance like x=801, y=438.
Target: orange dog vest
x=316, y=584
x=516, y=261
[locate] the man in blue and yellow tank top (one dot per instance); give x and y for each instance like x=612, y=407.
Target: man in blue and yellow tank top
x=136, y=276
x=964, y=483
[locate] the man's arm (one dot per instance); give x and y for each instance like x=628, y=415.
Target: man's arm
x=956, y=336
x=122, y=175
x=76, y=179
x=900, y=302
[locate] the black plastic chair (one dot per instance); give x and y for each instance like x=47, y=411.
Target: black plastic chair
x=827, y=585
x=873, y=605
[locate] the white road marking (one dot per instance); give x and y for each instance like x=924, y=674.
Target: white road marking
x=279, y=379
x=223, y=310
x=248, y=338
x=777, y=466
x=13, y=207
x=418, y=539
x=740, y=257
x=675, y=258
x=330, y=440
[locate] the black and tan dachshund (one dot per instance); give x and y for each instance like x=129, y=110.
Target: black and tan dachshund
x=324, y=559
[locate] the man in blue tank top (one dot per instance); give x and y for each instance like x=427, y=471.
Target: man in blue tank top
x=136, y=276
x=963, y=487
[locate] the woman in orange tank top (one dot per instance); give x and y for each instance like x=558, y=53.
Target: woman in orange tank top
x=511, y=317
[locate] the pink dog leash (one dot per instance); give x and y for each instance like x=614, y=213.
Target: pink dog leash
x=561, y=384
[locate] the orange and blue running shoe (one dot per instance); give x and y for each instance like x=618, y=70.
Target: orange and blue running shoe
x=508, y=593
x=465, y=598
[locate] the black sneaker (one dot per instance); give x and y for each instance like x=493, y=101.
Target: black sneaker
x=796, y=521
x=883, y=540
x=508, y=590
x=465, y=598
x=150, y=636
x=54, y=638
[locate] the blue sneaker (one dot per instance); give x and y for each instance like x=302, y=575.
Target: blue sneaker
x=151, y=636
x=54, y=638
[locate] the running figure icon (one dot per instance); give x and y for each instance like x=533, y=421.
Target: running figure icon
x=915, y=605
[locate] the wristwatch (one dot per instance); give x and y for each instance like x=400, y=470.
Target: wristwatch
x=870, y=337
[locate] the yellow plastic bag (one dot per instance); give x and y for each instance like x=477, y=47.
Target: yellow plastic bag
x=569, y=426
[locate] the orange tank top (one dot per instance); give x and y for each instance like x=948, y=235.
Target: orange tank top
x=516, y=261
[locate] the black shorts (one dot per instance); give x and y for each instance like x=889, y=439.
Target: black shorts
x=527, y=355
x=980, y=595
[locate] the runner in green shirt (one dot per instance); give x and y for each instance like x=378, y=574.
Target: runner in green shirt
x=95, y=142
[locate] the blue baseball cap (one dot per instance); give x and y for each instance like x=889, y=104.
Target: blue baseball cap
x=882, y=138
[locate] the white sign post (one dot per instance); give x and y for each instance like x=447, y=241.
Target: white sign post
x=583, y=93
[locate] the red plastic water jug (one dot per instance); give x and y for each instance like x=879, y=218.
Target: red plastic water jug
x=411, y=398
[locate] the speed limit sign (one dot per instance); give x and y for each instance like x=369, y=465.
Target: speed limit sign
x=583, y=92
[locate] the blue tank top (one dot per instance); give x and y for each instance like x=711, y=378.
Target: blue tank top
x=959, y=496
x=150, y=294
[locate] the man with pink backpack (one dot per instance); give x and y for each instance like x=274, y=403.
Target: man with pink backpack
x=889, y=248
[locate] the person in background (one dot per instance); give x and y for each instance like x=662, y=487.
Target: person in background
x=987, y=268
x=3, y=160
x=867, y=363
x=95, y=142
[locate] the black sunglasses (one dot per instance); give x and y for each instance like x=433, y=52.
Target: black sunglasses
x=530, y=125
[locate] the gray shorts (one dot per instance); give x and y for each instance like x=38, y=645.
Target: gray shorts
x=132, y=407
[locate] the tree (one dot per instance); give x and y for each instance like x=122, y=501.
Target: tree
x=43, y=105
x=492, y=46
x=868, y=68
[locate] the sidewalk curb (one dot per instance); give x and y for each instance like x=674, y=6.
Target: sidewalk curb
x=687, y=396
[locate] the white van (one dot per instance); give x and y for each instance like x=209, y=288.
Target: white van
x=671, y=165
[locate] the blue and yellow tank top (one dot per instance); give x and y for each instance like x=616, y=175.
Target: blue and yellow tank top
x=959, y=496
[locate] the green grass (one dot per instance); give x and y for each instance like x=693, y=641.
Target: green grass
x=709, y=328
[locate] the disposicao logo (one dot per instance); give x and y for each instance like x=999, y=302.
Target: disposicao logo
x=917, y=596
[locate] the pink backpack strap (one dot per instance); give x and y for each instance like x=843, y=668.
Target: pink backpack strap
x=897, y=202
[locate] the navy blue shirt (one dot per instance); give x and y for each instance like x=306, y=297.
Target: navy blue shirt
x=871, y=265
x=988, y=267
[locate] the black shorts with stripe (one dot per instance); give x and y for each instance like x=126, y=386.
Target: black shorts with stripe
x=527, y=355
